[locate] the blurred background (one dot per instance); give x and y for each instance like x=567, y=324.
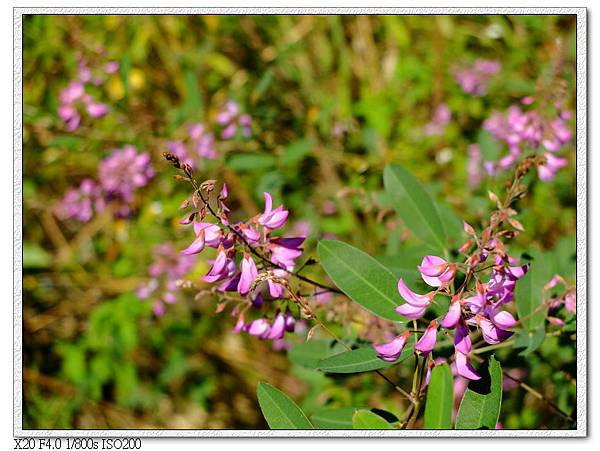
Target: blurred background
x=329, y=101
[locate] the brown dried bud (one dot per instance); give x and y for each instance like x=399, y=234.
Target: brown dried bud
x=516, y=224
x=208, y=185
x=173, y=159
x=465, y=247
x=184, y=204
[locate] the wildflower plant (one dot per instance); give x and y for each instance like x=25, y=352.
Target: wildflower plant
x=470, y=304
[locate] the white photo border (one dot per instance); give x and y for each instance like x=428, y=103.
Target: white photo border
x=581, y=170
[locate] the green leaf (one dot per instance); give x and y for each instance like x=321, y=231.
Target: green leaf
x=440, y=399
x=529, y=291
x=34, y=256
x=529, y=340
x=333, y=418
x=480, y=406
x=365, y=419
x=359, y=360
x=251, y=161
x=279, y=410
x=308, y=354
x=361, y=277
x=295, y=152
x=414, y=205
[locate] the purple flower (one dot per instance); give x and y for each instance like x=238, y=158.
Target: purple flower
x=492, y=334
x=277, y=327
x=122, y=173
x=390, y=352
x=416, y=304
x=474, y=79
x=272, y=219
x=452, y=317
x=464, y=367
x=439, y=121
x=427, y=342
x=259, y=327
x=570, y=302
x=231, y=119
x=80, y=203
x=284, y=251
x=167, y=268
x=249, y=273
x=436, y=271
x=548, y=170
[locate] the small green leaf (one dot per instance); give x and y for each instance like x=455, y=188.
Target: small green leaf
x=359, y=361
x=414, y=205
x=365, y=419
x=440, y=399
x=361, y=277
x=480, y=406
x=279, y=410
x=333, y=418
x=529, y=340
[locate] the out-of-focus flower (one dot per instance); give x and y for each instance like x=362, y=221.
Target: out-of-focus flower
x=80, y=203
x=441, y=118
x=232, y=119
x=474, y=79
x=168, y=267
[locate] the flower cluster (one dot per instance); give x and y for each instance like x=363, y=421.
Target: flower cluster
x=74, y=100
x=231, y=118
x=249, y=259
x=439, y=121
x=481, y=306
x=168, y=267
x=120, y=175
x=80, y=203
x=199, y=142
x=518, y=128
x=474, y=79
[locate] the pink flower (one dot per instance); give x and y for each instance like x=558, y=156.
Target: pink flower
x=249, y=273
x=272, y=219
x=464, y=367
x=570, y=303
x=547, y=171
x=427, y=342
x=416, y=304
x=390, y=352
x=436, y=271
x=454, y=312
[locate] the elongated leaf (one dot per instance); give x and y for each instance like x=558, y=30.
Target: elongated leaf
x=480, y=406
x=359, y=360
x=333, y=418
x=414, y=205
x=440, y=399
x=529, y=292
x=361, y=277
x=279, y=410
x=308, y=354
x=365, y=419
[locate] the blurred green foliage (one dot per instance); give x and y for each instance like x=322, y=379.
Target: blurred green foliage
x=333, y=99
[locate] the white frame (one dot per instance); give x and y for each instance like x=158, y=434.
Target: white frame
x=581, y=141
